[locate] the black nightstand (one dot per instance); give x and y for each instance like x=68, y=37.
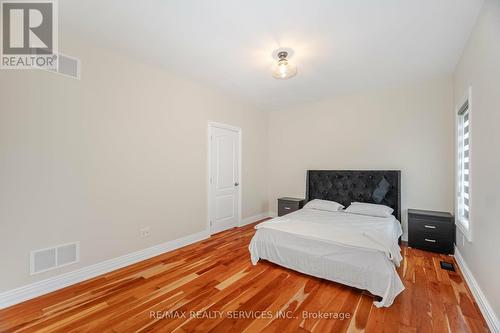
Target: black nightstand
x=287, y=205
x=431, y=231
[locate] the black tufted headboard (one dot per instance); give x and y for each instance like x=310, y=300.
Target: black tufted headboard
x=346, y=186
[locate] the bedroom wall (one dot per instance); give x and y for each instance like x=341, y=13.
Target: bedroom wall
x=408, y=128
x=479, y=68
x=97, y=159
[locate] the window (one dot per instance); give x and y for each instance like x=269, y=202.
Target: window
x=463, y=167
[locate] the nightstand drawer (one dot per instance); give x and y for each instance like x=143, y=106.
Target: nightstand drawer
x=289, y=205
x=431, y=243
x=285, y=207
x=429, y=226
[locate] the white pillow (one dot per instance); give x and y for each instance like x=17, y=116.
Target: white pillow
x=327, y=205
x=369, y=209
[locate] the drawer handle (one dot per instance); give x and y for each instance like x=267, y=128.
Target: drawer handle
x=430, y=226
x=430, y=240
x=287, y=208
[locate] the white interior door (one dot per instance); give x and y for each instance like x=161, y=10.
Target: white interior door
x=224, y=201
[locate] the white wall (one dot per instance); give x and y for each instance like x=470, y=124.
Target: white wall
x=407, y=128
x=97, y=159
x=479, y=68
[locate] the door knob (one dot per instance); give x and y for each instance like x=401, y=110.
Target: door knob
x=236, y=184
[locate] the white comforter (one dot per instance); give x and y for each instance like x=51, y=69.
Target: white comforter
x=356, y=250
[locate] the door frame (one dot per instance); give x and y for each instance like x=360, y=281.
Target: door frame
x=210, y=199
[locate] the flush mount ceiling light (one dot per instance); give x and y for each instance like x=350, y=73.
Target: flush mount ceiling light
x=283, y=69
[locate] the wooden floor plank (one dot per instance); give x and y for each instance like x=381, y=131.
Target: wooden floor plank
x=211, y=286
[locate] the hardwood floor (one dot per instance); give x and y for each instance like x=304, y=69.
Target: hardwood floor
x=214, y=278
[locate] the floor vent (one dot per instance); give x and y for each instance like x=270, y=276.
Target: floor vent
x=54, y=257
x=448, y=266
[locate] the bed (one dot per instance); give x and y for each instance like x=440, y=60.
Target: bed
x=355, y=250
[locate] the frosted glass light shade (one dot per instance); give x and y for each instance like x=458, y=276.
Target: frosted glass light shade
x=283, y=69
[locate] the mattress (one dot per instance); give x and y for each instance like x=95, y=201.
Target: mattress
x=334, y=258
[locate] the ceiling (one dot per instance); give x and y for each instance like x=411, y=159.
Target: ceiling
x=340, y=46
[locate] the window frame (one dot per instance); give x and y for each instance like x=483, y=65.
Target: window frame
x=464, y=226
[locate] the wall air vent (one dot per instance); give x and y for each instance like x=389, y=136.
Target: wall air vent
x=67, y=66
x=54, y=257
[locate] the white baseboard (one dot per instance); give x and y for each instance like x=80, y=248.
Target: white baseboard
x=255, y=218
x=486, y=309
x=21, y=294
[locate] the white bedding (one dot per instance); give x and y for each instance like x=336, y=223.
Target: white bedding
x=355, y=250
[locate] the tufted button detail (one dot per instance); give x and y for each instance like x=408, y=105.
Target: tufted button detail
x=346, y=186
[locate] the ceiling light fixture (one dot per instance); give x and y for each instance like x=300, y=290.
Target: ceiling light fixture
x=283, y=69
